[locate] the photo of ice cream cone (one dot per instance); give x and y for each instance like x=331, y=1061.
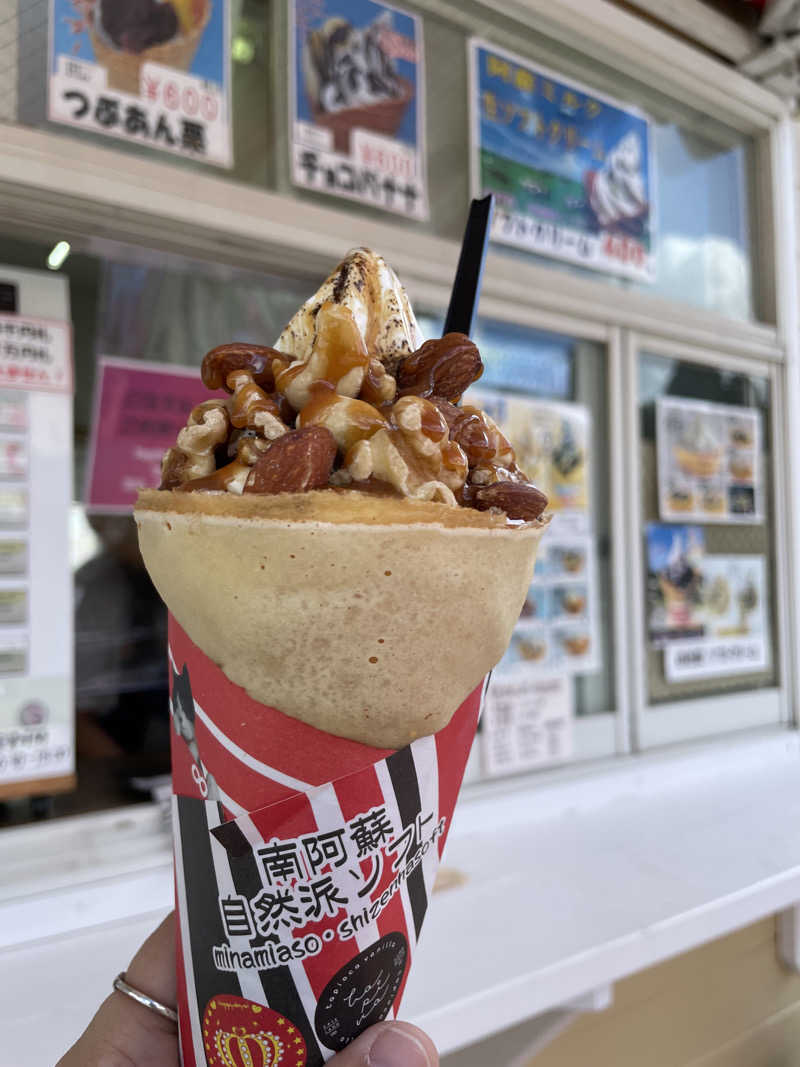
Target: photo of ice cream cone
x=698, y=451
x=123, y=59
x=384, y=117
x=351, y=80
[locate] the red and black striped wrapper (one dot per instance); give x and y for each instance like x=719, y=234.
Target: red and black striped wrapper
x=304, y=864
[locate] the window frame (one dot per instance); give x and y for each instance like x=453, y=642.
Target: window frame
x=703, y=716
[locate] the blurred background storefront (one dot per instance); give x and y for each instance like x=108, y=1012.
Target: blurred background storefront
x=634, y=792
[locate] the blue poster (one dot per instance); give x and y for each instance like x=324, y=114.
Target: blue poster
x=675, y=559
x=357, y=115
x=570, y=169
x=153, y=72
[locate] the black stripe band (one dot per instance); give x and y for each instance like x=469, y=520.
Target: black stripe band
x=277, y=982
x=202, y=903
x=403, y=775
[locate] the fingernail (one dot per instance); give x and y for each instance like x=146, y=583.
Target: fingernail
x=398, y=1048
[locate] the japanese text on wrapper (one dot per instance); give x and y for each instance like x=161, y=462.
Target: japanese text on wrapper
x=332, y=878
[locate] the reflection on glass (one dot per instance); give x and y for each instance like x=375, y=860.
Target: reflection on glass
x=703, y=251
x=707, y=529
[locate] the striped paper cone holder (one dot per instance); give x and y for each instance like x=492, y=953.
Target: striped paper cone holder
x=304, y=864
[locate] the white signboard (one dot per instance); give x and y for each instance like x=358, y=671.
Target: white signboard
x=36, y=701
x=526, y=723
x=35, y=354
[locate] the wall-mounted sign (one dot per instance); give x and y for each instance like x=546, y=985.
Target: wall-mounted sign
x=526, y=723
x=36, y=705
x=154, y=73
x=570, y=168
x=139, y=408
x=709, y=461
x=708, y=613
x=357, y=114
x=558, y=628
x=35, y=353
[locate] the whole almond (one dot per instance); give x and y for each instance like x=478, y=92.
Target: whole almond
x=442, y=367
x=294, y=463
x=519, y=500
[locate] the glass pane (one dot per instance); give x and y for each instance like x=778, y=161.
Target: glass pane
x=708, y=529
x=165, y=310
x=563, y=379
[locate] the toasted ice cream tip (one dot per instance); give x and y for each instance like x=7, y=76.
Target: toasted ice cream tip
x=366, y=285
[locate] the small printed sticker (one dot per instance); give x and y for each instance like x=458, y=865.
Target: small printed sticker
x=237, y=1032
x=362, y=992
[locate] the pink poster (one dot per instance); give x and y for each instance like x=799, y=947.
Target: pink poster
x=138, y=410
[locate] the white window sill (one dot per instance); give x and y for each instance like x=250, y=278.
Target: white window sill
x=569, y=887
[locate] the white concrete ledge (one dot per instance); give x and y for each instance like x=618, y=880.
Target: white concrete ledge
x=570, y=885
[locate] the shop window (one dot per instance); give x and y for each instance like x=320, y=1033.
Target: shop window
x=711, y=614
x=161, y=312
x=547, y=391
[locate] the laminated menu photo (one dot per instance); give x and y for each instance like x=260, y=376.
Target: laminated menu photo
x=344, y=551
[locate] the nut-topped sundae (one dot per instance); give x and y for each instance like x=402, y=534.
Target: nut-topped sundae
x=326, y=410
x=337, y=533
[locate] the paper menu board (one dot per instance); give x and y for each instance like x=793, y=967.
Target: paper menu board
x=709, y=462
x=152, y=74
x=570, y=168
x=36, y=692
x=552, y=443
x=525, y=724
x=357, y=112
x=709, y=613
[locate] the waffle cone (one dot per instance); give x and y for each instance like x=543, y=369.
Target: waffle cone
x=369, y=618
x=123, y=69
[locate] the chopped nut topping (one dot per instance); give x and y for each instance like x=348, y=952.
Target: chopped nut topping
x=340, y=417
x=193, y=456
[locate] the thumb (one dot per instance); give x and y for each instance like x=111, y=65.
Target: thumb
x=389, y=1045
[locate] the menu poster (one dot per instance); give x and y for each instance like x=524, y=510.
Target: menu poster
x=357, y=110
x=36, y=699
x=736, y=636
x=139, y=409
x=675, y=557
x=709, y=461
x=570, y=168
x=154, y=73
x=525, y=724
x=558, y=627
x=708, y=613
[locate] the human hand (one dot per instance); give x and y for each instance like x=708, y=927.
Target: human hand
x=125, y=1034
